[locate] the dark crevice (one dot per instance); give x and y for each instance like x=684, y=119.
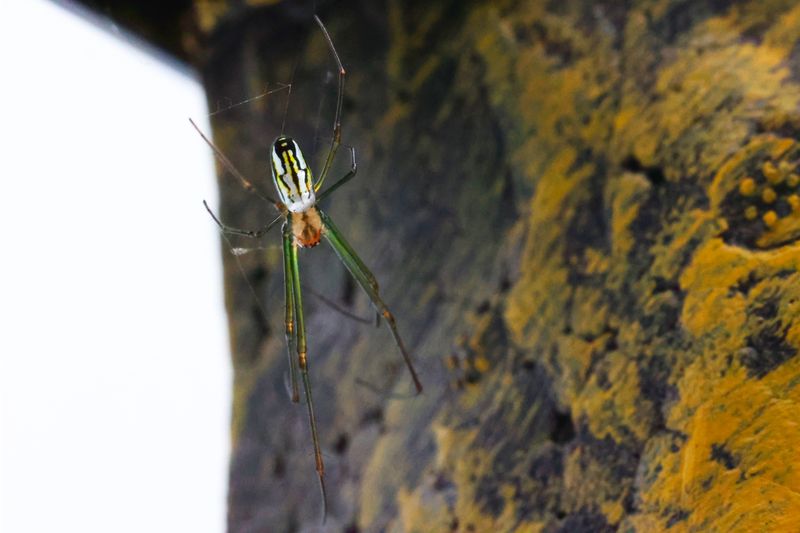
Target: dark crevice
x=454, y=524
x=372, y=416
x=554, y=45
x=489, y=498
x=677, y=516
x=767, y=310
x=563, y=429
x=678, y=21
x=744, y=285
x=341, y=444
x=654, y=174
x=654, y=373
x=665, y=285
x=789, y=127
x=442, y=482
x=721, y=455
x=588, y=228
x=584, y=521
x=767, y=350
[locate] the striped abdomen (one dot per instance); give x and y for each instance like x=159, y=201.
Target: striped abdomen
x=291, y=175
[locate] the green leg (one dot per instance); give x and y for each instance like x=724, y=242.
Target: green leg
x=294, y=268
x=367, y=281
x=373, y=283
x=337, y=121
x=344, y=179
x=290, y=333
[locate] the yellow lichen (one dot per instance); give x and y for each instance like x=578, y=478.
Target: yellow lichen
x=718, y=444
x=481, y=364
x=747, y=187
x=772, y=174
x=741, y=439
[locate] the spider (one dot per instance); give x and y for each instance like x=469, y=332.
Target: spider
x=305, y=225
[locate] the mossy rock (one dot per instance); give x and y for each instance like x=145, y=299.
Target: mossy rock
x=585, y=217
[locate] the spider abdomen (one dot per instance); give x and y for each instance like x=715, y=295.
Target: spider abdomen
x=291, y=175
x=306, y=227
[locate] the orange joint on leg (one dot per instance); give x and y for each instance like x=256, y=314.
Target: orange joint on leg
x=303, y=362
x=289, y=327
x=320, y=465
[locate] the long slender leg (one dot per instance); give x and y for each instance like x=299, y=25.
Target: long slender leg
x=328, y=223
x=337, y=121
x=244, y=232
x=303, y=362
x=362, y=267
x=344, y=179
x=333, y=305
x=232, y=169
x=267, y=92
x=290, y=333
x=367, y=281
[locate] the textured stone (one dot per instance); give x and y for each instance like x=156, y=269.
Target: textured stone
x=585, y=217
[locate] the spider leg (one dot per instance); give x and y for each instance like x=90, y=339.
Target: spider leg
x=359, y=263
x=290, y=333
x=364, y=277
x=299, y=321
x=255, y=234
x=344, y=179
x=333, y=305
x=337, y=121
x=232, y=169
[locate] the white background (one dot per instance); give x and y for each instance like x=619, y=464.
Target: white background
x=114, y=369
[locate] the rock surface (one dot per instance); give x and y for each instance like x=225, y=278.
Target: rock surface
x=584, y=216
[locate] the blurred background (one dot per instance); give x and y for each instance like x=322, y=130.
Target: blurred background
x=114, y=370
